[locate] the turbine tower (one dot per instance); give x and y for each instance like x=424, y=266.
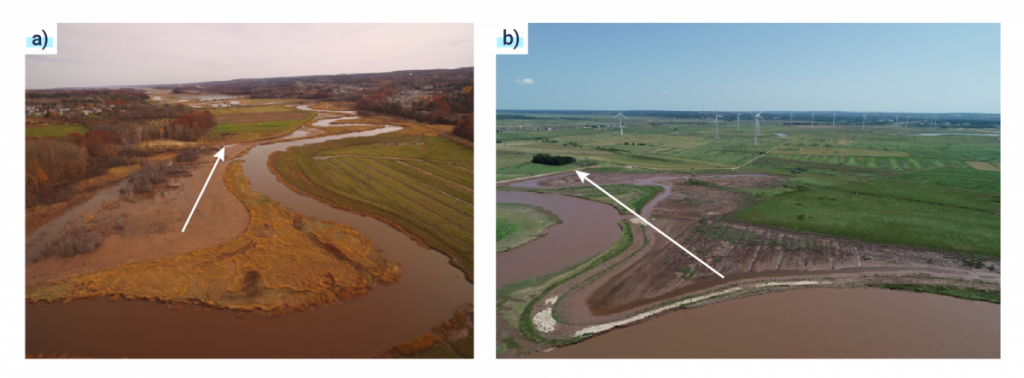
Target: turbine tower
x=738, y=121
x=812, y=120
x=717, y=116
x=833, y=119
x=621, y=116
x=862, y=122
x=906, y=126
x=757, y=126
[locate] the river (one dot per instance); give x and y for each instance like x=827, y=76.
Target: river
x=809, y=323
x=428, y=293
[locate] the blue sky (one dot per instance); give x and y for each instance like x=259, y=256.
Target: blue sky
x=926, y=68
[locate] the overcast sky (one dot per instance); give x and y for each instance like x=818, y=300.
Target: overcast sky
x=139, y=54
x=743, y=67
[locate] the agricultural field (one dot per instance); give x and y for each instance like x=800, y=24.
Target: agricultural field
x=422, y=185
x=919, y=189
x=257, y=122
x=519, y=223
x=54, y=131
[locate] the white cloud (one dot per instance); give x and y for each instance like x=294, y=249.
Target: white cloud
x=524, y=81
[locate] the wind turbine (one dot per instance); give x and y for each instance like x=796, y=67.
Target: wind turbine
x=621, y=116
x=933, y=122
x=897, y=121
x=717, y=116
x=812, y=120
x=738, y=121
x=757, y=126
x=791, y=119
x=906, y=126
x=864, y=121
x=833, y=119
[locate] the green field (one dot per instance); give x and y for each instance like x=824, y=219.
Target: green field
x=243, y=123
x=430, y=197
x=519, y=223
x=254, y=127
x=54, y=131
x=875, y=185
x=634, y=196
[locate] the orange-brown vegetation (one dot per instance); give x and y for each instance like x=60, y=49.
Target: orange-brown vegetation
x=283, y=262
x=459, y=327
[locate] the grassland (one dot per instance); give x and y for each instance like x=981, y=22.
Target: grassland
x=634, y=196
x=939, y=192
x=54, y=131
x=253, y=127
x=421, y=185
x=257, y=122
x=519, y=223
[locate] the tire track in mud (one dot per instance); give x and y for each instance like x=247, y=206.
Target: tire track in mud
x=756, y=251
x=739, y=242
x=782, y=251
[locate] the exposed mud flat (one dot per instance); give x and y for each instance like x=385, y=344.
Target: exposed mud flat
x=142, y=227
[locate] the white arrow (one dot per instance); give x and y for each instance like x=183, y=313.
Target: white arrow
x=583, y=177
x=220, y=157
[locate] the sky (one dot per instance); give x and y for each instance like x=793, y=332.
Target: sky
x=926, y=68
x=140, y=54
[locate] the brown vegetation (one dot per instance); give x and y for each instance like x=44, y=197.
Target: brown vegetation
x=459, y=327
x=283, y=262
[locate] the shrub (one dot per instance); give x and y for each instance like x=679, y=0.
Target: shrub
x=547, y=159
x=77, y=240
x=143, y=180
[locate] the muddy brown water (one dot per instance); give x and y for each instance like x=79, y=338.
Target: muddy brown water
x=588, y=229
x=428, y=293
x=809, y=323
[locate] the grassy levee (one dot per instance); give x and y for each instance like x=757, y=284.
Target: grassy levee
x=54, y=131
x=518, y=224
x=516, y=300
x=371, y=176
x=950, y=290
x=283, y=262
x=634, y=196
